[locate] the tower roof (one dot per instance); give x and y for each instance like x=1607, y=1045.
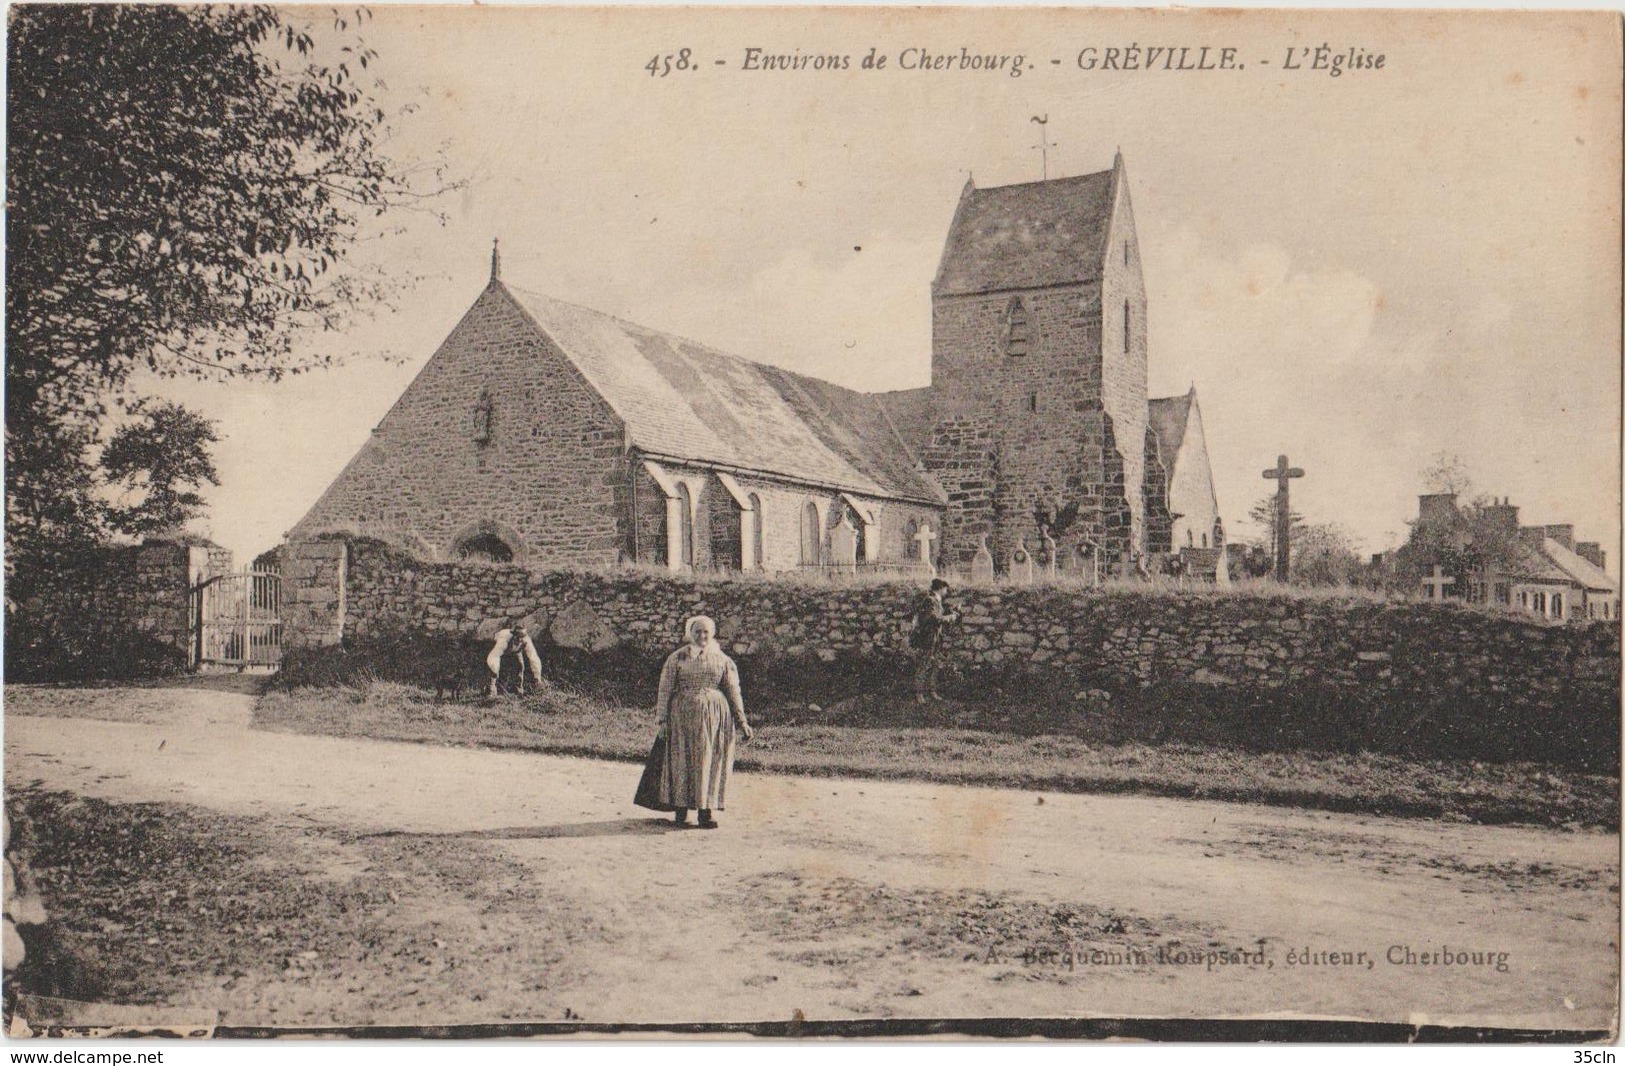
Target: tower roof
x=1028, y=236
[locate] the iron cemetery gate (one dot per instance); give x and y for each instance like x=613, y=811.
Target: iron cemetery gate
x=238, y=619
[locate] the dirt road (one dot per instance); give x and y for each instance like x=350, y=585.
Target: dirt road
x=851, y=899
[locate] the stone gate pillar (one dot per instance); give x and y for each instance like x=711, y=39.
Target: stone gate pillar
x=313, y=577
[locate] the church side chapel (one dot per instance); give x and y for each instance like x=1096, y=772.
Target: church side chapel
x=545, y=433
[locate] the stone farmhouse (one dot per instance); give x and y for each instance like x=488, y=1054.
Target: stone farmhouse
x=547, y=433
x=1538, y=570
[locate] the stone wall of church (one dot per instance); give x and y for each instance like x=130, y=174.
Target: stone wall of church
x=1396, y=672
x=1023, y=424
x=781, y=509
x=1159, y=525
x=1123, y=354
x=963, y=456
x=499, y=429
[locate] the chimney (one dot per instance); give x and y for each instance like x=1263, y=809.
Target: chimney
x=1438, y=508
x=1502, y=516
x=1563, y=534
x=1591, y=551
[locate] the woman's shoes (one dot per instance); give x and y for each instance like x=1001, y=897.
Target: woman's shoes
x=706, y=821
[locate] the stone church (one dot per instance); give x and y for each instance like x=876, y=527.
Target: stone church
x=547, y=433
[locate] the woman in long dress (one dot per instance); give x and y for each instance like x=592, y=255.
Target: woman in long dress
x=700, y=712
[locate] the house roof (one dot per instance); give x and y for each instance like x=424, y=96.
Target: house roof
x=683, y=400
x=1027, y=236
x=1530, y=562
x=1580, y=570
x=1169, y=417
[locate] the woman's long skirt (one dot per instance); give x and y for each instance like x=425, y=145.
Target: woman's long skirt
x=699, y=750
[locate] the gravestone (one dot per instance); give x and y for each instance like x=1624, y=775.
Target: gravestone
x=1051, y=564
x=981, y=567
x=843, y=545
x=1021, y=564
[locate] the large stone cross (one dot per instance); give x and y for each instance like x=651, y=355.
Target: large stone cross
x=1283, y=475
x=922, y=541
x=1434, y=586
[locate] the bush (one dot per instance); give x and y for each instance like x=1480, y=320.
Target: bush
x=47, y=650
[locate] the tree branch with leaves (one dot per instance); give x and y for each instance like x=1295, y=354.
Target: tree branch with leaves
x=185, y=185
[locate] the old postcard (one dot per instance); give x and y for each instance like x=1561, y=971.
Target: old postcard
x=813, y=522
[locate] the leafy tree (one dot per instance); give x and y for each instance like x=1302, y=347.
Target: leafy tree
x=164, y=457
x=184, y=185
x=1447, y=473
x=1469, y=544
x=1055, y=518
x=1262, y=515
x=1324, y=553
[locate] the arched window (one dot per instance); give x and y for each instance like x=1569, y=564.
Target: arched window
x=911, y=546
x=1016, y=327
x=1204, y=540
x=485, y=548
x=812, y=535
x=685, y=528
x=1190, y=538
x=1540, y=603
x=1557, y=605
x=757, y=559
x=1126, y=326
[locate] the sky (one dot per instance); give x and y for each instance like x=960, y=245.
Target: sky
x=1359, y=271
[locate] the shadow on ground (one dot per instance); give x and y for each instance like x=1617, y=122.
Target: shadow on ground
x=618, y=827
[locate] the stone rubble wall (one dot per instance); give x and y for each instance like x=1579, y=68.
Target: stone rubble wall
x=121, y=611
x=1383, y=655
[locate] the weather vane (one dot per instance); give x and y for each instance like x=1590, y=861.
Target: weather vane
x=1043, y=144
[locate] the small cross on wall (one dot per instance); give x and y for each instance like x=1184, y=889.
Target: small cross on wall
x=1433, y=587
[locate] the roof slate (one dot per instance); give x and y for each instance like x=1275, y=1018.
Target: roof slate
x=1580, y=570
x=1531, y=562
x=913, y=414
x=1027, y=236
x=1169, y=417
x=681, y=399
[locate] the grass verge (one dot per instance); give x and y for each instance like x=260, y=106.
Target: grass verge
x=968, y=748
x=199, y=914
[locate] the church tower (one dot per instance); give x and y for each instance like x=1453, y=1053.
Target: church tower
x=1039, y=369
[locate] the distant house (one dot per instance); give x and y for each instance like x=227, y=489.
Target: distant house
x=1482, y=555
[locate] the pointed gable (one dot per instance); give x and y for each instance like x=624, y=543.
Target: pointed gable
x=1169, y=417
x=1027, y=236
x=683, y=400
